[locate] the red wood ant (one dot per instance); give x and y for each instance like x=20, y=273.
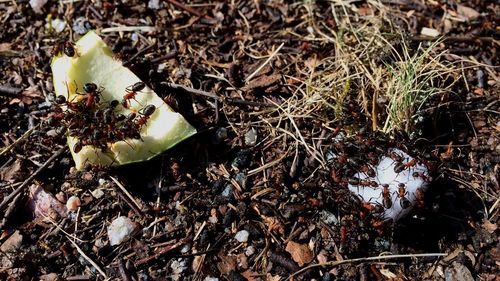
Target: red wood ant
x=420, y=175
x=67, y=48
x=405, y=203
x=386, y=194
x=131, y=92
x=400, y=166
x=92, y=93
x=145, y=113
x=356, y=181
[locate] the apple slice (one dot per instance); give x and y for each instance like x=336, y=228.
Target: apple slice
x=94, y=62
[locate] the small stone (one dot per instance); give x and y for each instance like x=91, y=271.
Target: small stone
x=120, y=230
x=431, y=32
x=251, y=137
x=208, y=278
x=37, y=5
x=178, y=267
x=250, y=250
x=73, y=203
x=61, y=197
x=49, y=277
x=57, y=24
x=457, y=272
x=228, y=190
x=219, y=136
x=154, y=4
x=51, y=133
x=12, y=243
x=97, y=193
x=242, y=236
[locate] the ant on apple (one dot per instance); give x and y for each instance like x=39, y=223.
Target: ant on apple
x=131, y=92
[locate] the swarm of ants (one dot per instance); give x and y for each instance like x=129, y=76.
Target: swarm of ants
x=97, y=123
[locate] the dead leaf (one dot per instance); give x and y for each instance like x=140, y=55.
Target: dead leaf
x=301, y=253
x=387, y=273
x=467, y=12
x=5, y=47
x=44, y=204
x=490, y=227
x=251, y=276
x=322, y=257
x=12, y=172
x=12, y=243
x=226, y=264
x=365, y=11
x=273, y=224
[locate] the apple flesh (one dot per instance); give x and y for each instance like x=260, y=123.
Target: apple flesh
x=94, y=62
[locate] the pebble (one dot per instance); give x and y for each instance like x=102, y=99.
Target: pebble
x=97, y=193
x=37, y=5
x=73, y=203
x=208, y=278
x=250, y=250
x=12, y=243
x=120, y=230
x=154, y=4
x=57, y=24
x=242, y=236
x=251, y=137
x=457, y=272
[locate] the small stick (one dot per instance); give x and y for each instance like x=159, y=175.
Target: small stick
x=130, y=197
x=143, y=50
x=140, y=28
x=265, y=63
x=10, y=210
x=16, y=142
x=123, y=271
x=335, y=263
x=188, y=9
x=160, y=253
x=221, y=99
x=11, y=196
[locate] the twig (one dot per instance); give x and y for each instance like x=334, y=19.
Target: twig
x=11, y=196
x=136, y=207
x=189, y=9
x=221, y=99
x=10, y=210
x=160, y=253
x=138, y=53
x=456, y=39
x=68, y=236
x=9, y=91
x=123, y=271
x=21, y=138
x=141, y=28
x=335, y=263
x=265, y=63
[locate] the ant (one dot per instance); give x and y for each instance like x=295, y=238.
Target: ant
x=356, y=181
x=400, y=166
x=67, y=48
x=145, y=113
x=92, y=93
x=368, y=170
x=131, y=92
x=405, y=203
x=420, y=175
x=387, y=200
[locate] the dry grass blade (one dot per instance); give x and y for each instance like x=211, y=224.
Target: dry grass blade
x=378, y=258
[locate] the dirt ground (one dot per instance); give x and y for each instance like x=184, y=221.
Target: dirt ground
x=260, y=192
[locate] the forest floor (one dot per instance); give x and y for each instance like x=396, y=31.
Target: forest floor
x=306, y=93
